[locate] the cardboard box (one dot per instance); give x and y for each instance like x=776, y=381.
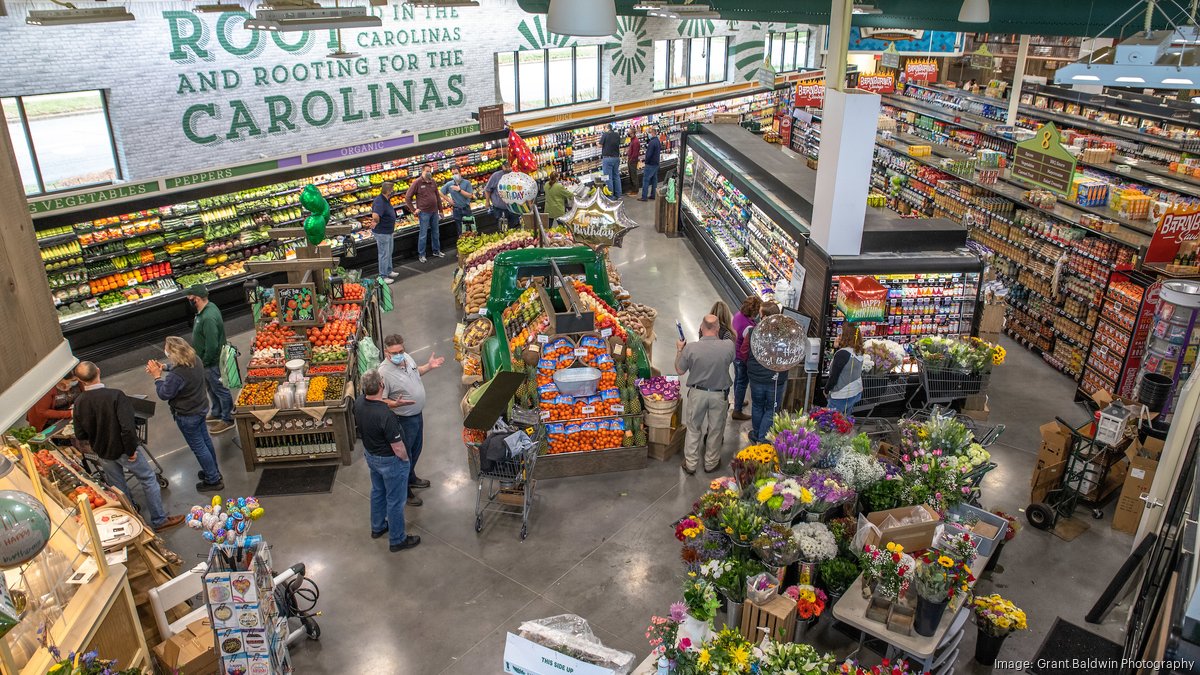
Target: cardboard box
x=975, y=402
x=662, y=420
x=1143, y=464
x=991, y=320
x=776, y=619
x=190, y=651
x=915, y=537
x=980, y=415
x=663, y=452
x=1056, y=439
x=1045, y=479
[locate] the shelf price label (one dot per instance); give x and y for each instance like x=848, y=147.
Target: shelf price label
x=543, y=339
x=544, y=415
x=581, y=351
x=606, y=332
x=588, y=410
x=617, y=408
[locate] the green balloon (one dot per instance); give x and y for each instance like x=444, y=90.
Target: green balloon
x=314, y=225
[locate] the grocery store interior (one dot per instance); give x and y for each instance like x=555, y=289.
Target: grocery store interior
x=951, y=254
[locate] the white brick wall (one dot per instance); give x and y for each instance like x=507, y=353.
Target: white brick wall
x=132, y=60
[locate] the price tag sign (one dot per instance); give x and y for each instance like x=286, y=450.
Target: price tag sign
x=581, y=351
x=543, y=339
x=295, y=350
x=606, y=332
x=131, y=282
x=617, y=408
x=92, y=302
x=544, y=415
x=588, y=410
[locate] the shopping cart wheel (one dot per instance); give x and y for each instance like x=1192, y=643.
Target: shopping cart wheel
x=524, y=532
x=311, y=628
x=478, y=523
x=1040, y=516
x=1097, y=514
x=163, y=482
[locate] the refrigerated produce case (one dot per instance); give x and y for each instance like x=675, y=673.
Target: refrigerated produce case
x=746, y=206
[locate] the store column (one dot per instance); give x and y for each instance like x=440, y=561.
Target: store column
x=1014, y=97
x=35, y=352
x=849, y=122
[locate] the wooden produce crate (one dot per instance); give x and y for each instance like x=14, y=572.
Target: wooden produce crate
x=777, y=617
x=590, y=462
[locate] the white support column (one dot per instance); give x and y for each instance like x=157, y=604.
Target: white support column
x=840, y=14
x=1014, y=98
x=849, y=123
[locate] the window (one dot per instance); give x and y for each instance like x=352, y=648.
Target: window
x=62, y=141
x=546, y=78
x=690, y=62
x=788, y=51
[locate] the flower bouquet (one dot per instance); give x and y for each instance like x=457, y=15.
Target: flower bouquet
x=827, y=490
x=784, y=498
x=959, y=545
x=885, y=356
x=816, y=542
x=929, y=478
x=761, y=587
x=777, y=545
x=1013, y=525
x=700, y=599
x=834, y=429
x=998, y=617
x=729, y=576
x=886, y=667
x=712, y=545
x=741, y=523
x=688, y=527
x=810, y=601
x=891, y=570
x=786, y=420
x=793, y=658
x=728, y=652
x=858, y=471
x=939, y=577
x=87, y=663
x=708, y=508
x=797, y=450
x=942, y=431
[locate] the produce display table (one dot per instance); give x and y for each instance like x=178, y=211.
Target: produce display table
x=308, y=434
x=852, y=610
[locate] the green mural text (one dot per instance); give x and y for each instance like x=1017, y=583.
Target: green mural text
x=414, y=69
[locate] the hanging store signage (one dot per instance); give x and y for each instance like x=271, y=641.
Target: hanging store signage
x=1175, y=240
x=921, y=70
x=809, y=94
x=880, y=83
x=491, y=118
x=862, y=299
x=766, y=74
x=890, y=58
x=982, y=58
x=1043, y=161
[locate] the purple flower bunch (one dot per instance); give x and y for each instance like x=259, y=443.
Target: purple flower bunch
x=827, y=489
x=712, y=545
x=797, y=449
x=830, y=421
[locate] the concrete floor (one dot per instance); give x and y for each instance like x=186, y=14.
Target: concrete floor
x=601, y=546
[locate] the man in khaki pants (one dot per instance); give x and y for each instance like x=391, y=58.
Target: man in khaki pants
x=706, y=364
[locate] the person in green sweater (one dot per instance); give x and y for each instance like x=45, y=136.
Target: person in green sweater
x=208, y=336
x=557, y=198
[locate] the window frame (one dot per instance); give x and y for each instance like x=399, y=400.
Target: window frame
x=780, y=39
x=575, y=98
x=667, y=47
x=23, y=119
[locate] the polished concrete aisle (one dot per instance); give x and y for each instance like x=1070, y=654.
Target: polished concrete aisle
x=599, y=546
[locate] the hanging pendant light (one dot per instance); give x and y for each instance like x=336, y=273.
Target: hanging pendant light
x=975, y=11
x=582, y=18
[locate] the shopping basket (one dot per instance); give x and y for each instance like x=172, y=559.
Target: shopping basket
x=943, y=384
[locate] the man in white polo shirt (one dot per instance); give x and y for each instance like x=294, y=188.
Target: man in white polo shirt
x=405, y=395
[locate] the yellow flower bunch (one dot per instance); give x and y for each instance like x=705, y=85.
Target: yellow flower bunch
x=1000, y=613
x=704, y=657
x=766, y=492
x=762, y=453
x=893, y=547
x=944, y=561
x=998, y=354
x=806, y=496
x=807, y=595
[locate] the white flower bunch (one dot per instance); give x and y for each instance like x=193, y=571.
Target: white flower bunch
x=858, y=471
x=816, y=542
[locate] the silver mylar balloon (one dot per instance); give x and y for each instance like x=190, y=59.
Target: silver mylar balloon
x=24, y=528
x=778, y=342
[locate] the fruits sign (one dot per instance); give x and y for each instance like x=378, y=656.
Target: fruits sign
x=880, y=83
x=862, y=299
x=810, y=94
x=921, y=70
x=1177, y=225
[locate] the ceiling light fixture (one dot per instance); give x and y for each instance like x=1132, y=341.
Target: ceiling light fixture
x=975, y=11
x=1154, y=59
x=866, y=8
x=218, y=7
x=582, y=18
x=72, y=15
x=312, y=18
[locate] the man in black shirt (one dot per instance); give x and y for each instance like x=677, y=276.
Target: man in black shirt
x=382, y=439
x=610, y=160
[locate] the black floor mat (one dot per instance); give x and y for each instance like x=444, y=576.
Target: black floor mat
x=1067, y=642
x=299, y=480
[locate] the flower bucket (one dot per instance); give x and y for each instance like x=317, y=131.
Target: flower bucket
x=929, y=615
x=987, y=647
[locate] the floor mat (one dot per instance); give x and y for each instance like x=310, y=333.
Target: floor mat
x=1067, y=642
x=1068, y=529
x=299, y=480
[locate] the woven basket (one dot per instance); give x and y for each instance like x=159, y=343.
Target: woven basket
x=660, y=407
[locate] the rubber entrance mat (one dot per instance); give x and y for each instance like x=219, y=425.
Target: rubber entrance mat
x=299, y=480
x=1071, y=649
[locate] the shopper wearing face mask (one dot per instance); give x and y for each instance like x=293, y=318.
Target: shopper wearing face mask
x=424, y=199
x=404, y=393
x=208, y=336
x=461, y=193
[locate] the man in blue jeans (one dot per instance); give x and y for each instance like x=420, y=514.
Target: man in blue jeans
x=424, y=199
x=208, y=337
x=405, y=395
x=461, y=193
x=610, y=159
x=383, y=225
x=104, y=418
x=650, y=170
x=387, y=459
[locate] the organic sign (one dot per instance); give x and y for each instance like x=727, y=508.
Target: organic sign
x=890, y=58
x=921, y=70
x=809, y=94
x=880, y=83
x=1043, y=161
x=862, y=299
x=1177, y=226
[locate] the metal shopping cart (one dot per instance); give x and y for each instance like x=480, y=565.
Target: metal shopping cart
x=985, y=435
x=510, y=482
x=943, y=384
x=880, y=390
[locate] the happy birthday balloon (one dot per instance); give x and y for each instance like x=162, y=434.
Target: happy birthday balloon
x=26, y=527
x=777, y=342
x=314, y=225
x=517, y=188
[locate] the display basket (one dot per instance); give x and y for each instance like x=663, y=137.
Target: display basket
x=943, y=384
x=577, y=381
x=660, y=407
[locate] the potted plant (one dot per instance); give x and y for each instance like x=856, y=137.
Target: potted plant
x=700, y=608
x=797, y=450
x=1009, y=535
x=938, y=579
x=741, y=523
x=836, y=575
x=996, y=618
x=884, y=495
x=816, y=545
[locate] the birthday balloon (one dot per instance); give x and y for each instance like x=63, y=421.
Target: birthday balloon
x=314, y=225
x=517, y=188
x=777, y=342
x=26, y=528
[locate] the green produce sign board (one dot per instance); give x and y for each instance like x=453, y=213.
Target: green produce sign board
x=220, y=174
x=94, y=197
x=1043, y=161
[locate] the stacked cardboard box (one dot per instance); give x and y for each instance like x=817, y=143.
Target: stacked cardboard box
x=1143, y=464
x=991, y=320
x=1051, y=461
x=190, y=651
x=665, y=434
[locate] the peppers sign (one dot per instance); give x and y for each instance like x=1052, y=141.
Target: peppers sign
x=921, y=70
x=809, y=94
x=879, y=83
x=1177, y=226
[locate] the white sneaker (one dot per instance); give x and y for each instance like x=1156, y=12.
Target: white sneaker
x=389, y=280
x=394, y=275
x=422, y=258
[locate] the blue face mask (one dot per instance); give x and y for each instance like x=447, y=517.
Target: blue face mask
x=397, y=358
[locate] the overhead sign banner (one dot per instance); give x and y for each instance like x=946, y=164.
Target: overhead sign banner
x=890, y=58
x=1043, y=161
x=921, y=70
x=864, y=39
x=810, y=94
x=1178, y=232
x=766, y=74
x=880, y=83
